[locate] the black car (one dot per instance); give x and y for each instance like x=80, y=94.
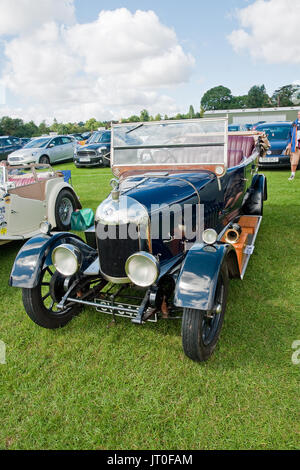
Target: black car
x=9, y=144
x=182, y=218
x=277, y=133
x=96, y=152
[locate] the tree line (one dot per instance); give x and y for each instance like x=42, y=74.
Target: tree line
x=217, y=98
x=221, y=98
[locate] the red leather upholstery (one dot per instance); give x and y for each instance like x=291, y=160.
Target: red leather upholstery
x=234, y=157
x=239, y=146
x=21, y=181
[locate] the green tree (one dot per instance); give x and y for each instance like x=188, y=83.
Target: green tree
x=157, y=117
x=54, y=126
x=191, y=113
x=257, y=97
x=30, y=129
x=239, y=102
x=144, y=115
x=43, y=128
x=92, y=124
x=216, y=98
x=286, y=95
x=134, y=118
x=11, y=126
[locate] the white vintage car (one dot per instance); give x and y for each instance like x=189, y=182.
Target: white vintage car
x=33, y=194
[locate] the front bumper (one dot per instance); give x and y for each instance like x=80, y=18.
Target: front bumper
x=23, y=161
x=84, y=162
x=274, y=161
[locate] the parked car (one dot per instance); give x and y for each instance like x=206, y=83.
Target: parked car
x=236, y=128
x=44, y=150
x=96, y=152
x=257, y=124
x=277, y=133
x=78, y=137
x=31, y=195
x=8, y=145
x=24, y=140
x=84, y=138
x=176, y=231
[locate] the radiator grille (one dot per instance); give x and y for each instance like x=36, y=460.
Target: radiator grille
x=114, y=251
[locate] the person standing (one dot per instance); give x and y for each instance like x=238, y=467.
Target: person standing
x=294, y=146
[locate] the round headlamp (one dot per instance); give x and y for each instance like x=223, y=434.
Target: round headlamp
x=209, y=236
x=67, y=259
x=142, y=269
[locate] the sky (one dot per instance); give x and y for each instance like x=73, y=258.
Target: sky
x=77, y=59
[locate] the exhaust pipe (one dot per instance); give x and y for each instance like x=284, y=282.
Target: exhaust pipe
x=232, y=235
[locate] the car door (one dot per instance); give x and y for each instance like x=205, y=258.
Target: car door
x=68, y=145
x=26, y=206
x=55, y=149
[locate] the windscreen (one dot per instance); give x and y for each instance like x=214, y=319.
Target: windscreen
x=190, y=142
x=37, y=143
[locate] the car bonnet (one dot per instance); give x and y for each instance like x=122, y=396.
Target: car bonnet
x=170, y=189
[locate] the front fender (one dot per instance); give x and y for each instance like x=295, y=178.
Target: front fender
x=36, y=254
x=197, y=280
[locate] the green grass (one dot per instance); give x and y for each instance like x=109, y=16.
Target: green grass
x=88, y=386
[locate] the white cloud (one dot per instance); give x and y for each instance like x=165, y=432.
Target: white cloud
x=20, y=16
x=109, y=68
x=269, y=31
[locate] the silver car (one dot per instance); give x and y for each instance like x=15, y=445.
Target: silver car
x=44, y=150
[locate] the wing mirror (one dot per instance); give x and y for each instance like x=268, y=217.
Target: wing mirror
x=51, y=146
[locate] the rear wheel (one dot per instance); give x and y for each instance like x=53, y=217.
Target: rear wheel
x=40, y=303
x=201, y=329
x=64, y=206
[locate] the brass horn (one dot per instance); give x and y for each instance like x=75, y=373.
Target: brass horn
x=232, y=235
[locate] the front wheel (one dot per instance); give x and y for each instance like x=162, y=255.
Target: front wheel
x=201, y=329
x=45, y=160
x=40, y=303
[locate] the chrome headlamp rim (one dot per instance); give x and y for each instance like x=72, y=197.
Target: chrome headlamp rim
x=150, y=258
x=75, y=252
x=45, y=227
x=209, y=236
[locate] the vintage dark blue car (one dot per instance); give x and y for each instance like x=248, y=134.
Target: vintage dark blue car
x=182, y=218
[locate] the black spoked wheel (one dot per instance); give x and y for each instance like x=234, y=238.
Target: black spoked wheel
x=41, y=302
x=65, y=205
x=201, y=329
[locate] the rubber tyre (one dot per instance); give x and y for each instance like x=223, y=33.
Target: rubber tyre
x=192, y=326
x=39, y=314
x=60, y=224
x=44, y=160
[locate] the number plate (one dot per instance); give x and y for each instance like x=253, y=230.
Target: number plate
x=269, y=160
x=131, y=310
x=84, y=159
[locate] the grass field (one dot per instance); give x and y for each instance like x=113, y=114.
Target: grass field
x=88, y=386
